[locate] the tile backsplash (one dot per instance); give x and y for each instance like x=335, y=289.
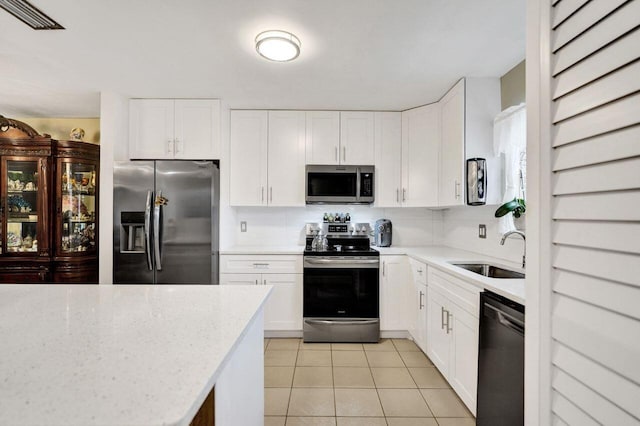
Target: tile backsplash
x=454, y=227
x=460, y=230
x=273, y=226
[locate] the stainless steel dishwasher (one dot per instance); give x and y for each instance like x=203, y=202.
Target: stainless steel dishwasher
x=500, y=362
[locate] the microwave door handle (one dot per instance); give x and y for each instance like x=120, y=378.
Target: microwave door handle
x=358, y=184
x=147, y=230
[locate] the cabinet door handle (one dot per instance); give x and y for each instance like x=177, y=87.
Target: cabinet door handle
x=337, y=159
x=264, y=282
x=177, y=146
x=344, y=153
x=442, y=311
x=271, y=194
x=449, y=328
x=256, y=282
x=384, y=264
x=457, y=189
x=404, y=195
x=169, y=146
x=397, y=195
x=421, y=296
x=262, y=194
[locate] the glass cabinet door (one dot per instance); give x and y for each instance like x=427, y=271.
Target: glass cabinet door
x=78, y=210
x=21, y=207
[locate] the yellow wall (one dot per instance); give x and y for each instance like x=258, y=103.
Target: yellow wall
x=60, y=128
x=512, y=86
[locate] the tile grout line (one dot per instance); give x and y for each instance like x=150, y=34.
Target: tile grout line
x=375, y=386
x=295, y=366
x=333, y=382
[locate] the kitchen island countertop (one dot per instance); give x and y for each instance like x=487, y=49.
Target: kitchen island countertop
x=106, y=355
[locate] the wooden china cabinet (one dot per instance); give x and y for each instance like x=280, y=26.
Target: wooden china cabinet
x=48, y=208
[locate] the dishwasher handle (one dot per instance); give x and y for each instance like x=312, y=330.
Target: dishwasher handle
x=504, y=319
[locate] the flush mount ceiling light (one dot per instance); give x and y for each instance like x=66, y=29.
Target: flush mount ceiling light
x=30, y=15
x=279, y=46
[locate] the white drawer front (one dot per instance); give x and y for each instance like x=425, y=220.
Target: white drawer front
x=463, y=294
x=267, y=264
x=419, y=271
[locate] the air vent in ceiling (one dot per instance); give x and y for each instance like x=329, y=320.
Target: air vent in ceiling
x=30, y=15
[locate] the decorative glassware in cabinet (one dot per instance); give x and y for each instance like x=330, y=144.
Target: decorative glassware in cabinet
x=21, y=207
x=78, y=207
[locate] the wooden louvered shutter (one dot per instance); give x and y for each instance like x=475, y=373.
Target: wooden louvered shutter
x=586, y=305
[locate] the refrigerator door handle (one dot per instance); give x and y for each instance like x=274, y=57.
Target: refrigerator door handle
x=156, y=231
x=147, y=229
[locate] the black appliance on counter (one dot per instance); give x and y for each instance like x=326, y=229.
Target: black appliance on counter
x=500, y=362
x=382, y=233
x=331, y=184
x=341, y=293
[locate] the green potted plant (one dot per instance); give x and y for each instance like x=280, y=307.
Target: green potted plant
x=517, y=206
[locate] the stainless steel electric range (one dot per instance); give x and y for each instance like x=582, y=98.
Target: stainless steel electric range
x=341, y=285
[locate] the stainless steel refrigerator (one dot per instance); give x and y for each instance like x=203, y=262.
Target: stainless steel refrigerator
x=165, y=227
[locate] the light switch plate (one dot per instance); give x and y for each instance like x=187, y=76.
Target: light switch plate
x=482, y=231
x=243, y=226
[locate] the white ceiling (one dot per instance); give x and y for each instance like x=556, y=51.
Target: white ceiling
x=356, y=54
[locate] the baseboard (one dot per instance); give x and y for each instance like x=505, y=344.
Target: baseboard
x=385, y=334
x=395, y=334
x=269, y=334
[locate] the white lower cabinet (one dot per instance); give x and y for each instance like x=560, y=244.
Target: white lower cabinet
x=452, y=333
x=418, y=329
x=438, y=338
x=283, y=310
x=394, y=293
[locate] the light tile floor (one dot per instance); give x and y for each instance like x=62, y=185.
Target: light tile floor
x=390, y=383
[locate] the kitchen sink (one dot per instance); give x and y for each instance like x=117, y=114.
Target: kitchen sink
x=489, y=270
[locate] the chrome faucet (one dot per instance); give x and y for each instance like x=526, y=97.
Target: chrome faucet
x=524, y=240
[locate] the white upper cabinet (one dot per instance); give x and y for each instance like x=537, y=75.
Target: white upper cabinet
x=248, y=163
x=174, y=129
x=197, y=129
x=452, y=161
x=420, y=156
x=323, y=137
x=388, y=154
x=334, y=137
x=267, y=158
x=151, y=128
x=356, y=138
x=468, y=111
x=482, y=105
x=286, y=158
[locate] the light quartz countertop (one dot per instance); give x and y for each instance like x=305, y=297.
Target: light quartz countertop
x=116, y=355
x=441, y=257
x=435, y=256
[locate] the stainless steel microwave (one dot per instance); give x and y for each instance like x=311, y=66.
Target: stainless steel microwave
x=339, y=184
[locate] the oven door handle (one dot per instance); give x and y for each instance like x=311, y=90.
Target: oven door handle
x=338, y=322
x=342, y=261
